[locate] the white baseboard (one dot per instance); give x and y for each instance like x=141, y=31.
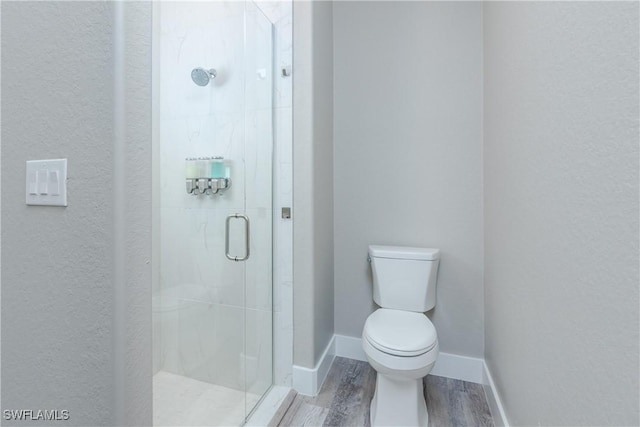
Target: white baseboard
x=447, y=365
x=459, y=367
x=349, y=347
x=495, y=404
x=309, y=381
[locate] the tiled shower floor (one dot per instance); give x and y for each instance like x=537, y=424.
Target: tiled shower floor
x=182, y=401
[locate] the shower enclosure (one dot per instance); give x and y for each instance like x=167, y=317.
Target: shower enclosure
x=213, y=82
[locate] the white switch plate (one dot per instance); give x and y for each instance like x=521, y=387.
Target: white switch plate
x=47, y=182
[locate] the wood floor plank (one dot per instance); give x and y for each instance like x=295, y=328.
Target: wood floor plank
x=305, y=414
x=455, y=402
x=477, y=408
x=350, y=404
x=291, y=411
x=437, y=401
x=282, y=410
x=331, y=383
x=310, y=415
x=346, y=395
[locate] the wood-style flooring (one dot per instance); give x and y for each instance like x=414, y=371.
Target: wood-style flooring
x=346, y=395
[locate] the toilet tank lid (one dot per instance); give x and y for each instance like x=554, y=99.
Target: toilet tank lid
x=403, y=252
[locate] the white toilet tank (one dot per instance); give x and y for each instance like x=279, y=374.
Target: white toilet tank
x=404, y=278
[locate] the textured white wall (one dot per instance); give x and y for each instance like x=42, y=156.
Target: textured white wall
x=303, y=343
x=323, y=175
x=76, y=312
x=0, y=209
x=132, y=214
x=561, y=210
x=313, y=181
x=57, y=278
x=408, y=166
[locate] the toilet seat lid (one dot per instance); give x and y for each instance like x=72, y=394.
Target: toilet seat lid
x=399, y=332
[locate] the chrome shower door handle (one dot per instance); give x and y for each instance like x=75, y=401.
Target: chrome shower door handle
x=247, y=236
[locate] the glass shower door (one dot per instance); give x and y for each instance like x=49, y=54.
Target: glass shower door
x=212, y=297
x=259, y=132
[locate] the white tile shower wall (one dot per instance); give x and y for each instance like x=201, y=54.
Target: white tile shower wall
x=280, y=13
x=282, y=16
x=194, y=302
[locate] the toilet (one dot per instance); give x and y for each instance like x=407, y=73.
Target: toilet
x=400, y=342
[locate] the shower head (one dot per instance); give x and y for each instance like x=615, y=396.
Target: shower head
x=202, y=77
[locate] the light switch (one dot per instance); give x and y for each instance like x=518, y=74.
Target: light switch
x=32, y=182
x=54, y=188
x=47, y=182
x=43, y=181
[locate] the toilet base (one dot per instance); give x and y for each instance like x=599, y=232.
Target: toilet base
x=398, y=402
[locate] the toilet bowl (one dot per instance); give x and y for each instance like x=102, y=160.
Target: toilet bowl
x=400, y=342
x=402, y=347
